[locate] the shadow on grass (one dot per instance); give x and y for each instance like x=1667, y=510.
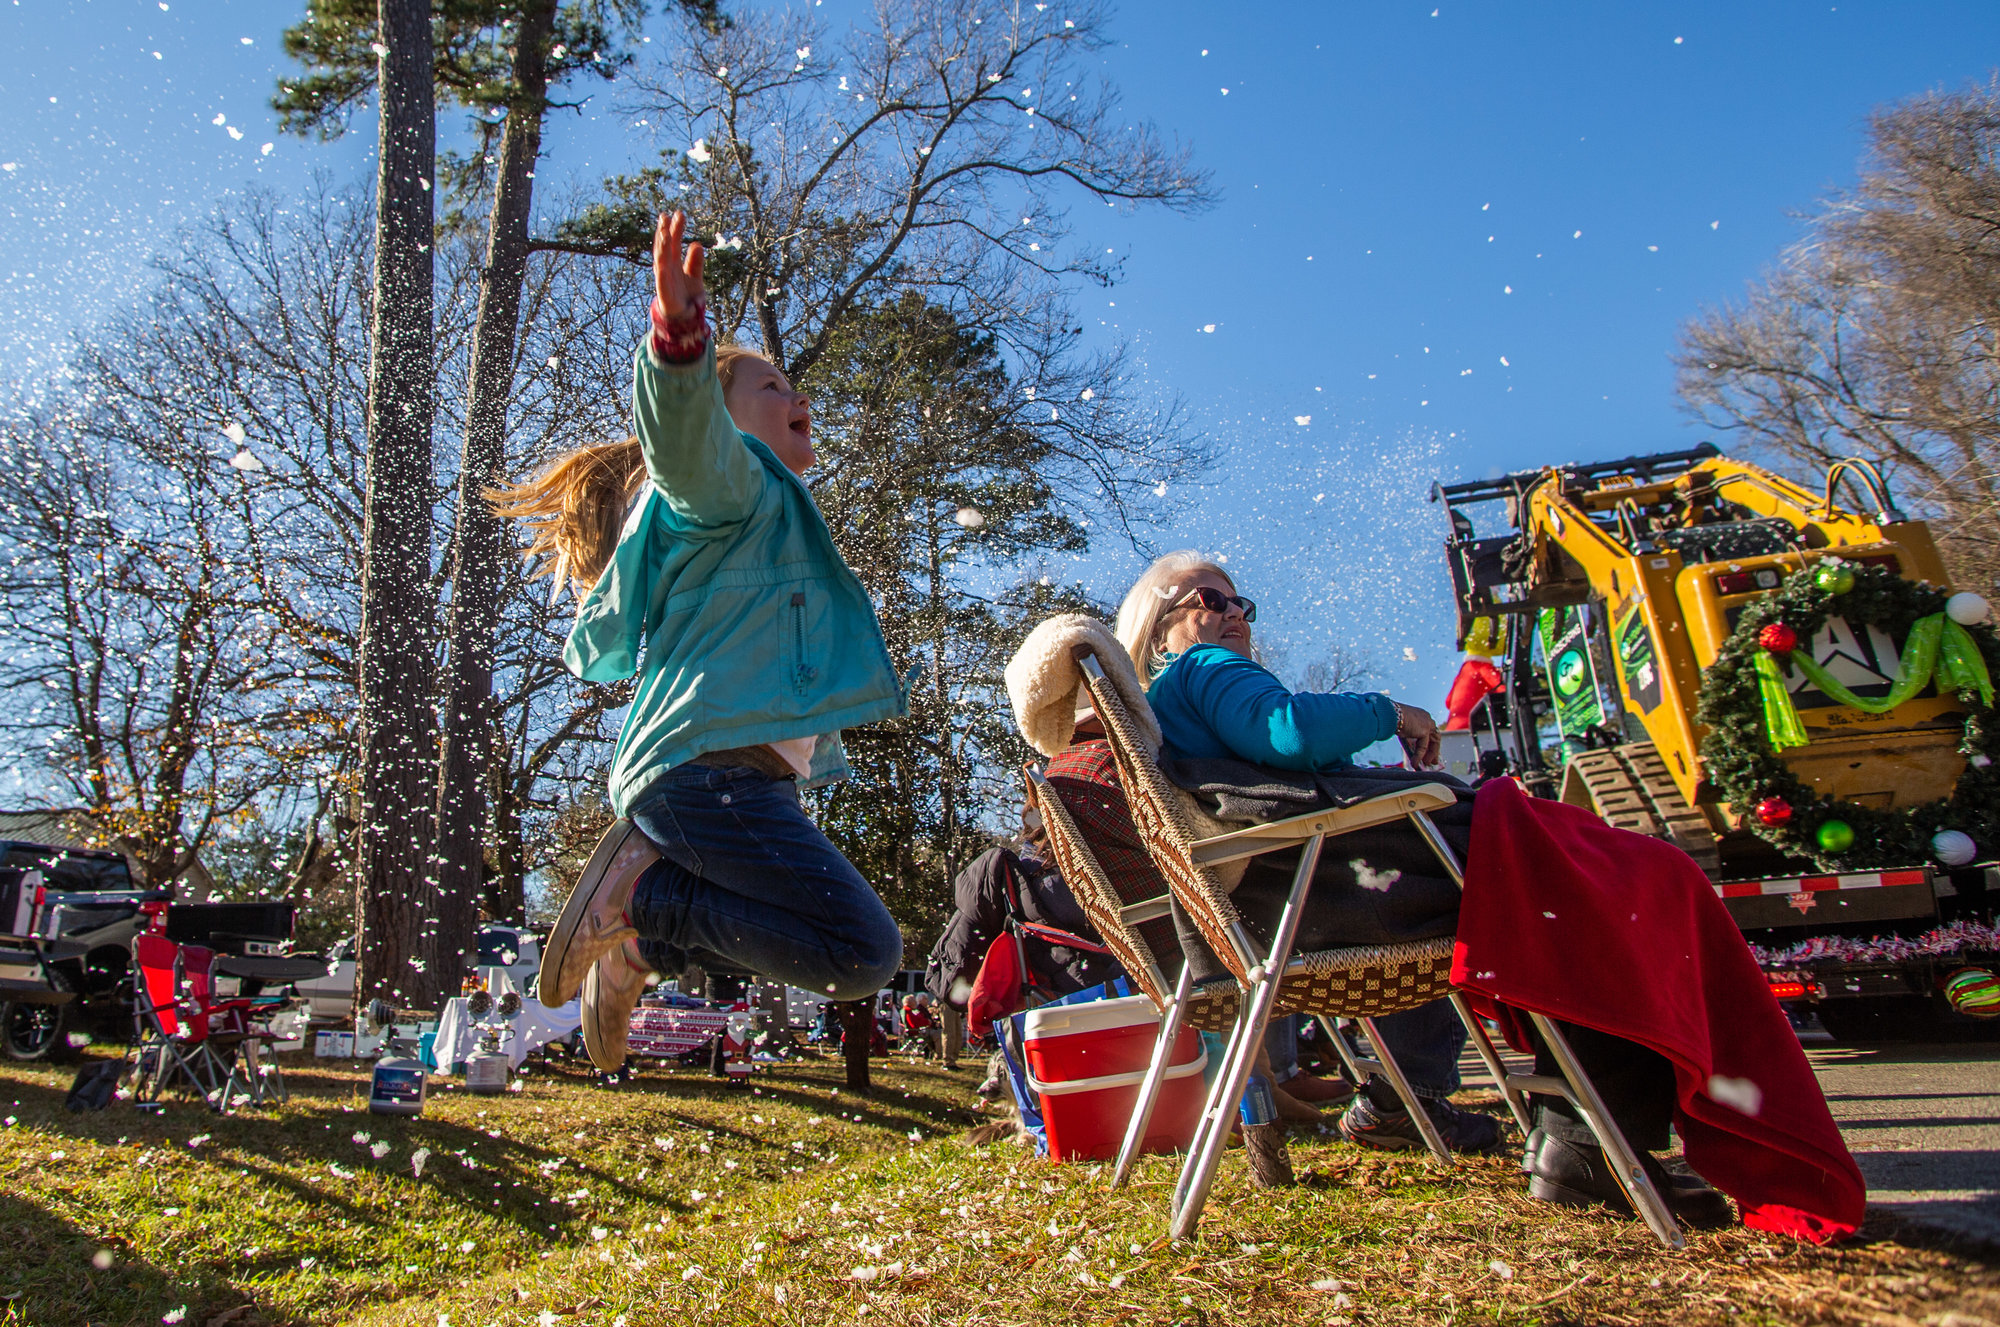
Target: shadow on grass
x=53, y=1274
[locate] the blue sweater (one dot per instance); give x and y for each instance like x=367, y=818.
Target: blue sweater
x=1212, y=702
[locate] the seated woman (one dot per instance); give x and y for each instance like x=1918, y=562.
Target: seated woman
x=1228, y=723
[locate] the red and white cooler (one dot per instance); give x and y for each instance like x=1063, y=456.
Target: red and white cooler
x=1086, y=1061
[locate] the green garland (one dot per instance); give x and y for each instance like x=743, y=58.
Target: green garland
x=1737, y=753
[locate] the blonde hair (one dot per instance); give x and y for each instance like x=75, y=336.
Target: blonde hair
x=575, y=506
x=1158, y=588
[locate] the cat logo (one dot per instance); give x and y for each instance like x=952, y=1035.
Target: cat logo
x=1803, y=902
x=1865, y=662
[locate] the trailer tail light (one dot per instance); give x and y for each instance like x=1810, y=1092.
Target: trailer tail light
x=1748, y=582
x=1788, y=990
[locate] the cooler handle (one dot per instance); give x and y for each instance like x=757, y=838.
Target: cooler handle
x=1133, y=1079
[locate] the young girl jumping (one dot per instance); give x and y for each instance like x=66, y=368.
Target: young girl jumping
x=697, y=540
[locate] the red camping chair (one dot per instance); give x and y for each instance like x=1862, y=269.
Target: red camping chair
x=236, y=1031
x=1007, y=982
x=170, y=1048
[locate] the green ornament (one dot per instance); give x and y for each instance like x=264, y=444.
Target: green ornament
x=1835, y=836
x=1834, y=577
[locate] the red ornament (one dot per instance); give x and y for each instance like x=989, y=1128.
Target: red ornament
x=1778, y=638
x=1773, y=810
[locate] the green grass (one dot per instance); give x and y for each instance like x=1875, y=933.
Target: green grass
x=684, y=1200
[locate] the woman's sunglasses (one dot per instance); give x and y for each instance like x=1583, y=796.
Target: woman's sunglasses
x=1215, y=601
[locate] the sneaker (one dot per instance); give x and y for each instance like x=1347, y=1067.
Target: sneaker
x=593, y=921
x=1394, y=1131
x=1579, y=1175
x=610, y=989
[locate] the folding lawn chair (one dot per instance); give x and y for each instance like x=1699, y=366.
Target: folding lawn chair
x=235, y=1031
x=167, y=1050
x=1361, y=983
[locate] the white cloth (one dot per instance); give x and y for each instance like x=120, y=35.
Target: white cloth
x=798, y=753
x=534, y=1026
x=1046, y=685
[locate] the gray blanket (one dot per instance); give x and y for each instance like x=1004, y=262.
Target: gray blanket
x=1376, y=886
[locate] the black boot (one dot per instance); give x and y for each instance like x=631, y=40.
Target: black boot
x=1579, y=1175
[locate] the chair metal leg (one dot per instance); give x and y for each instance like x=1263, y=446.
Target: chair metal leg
x=1191, y=1193
x=1632, y=1177
x=1426, y=1126
x=1149, y=1089
x=1198, y=1174
x=1342, y=1047
x=1517, y=1100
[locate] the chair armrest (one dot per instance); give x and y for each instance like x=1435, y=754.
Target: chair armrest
x=1333, y=822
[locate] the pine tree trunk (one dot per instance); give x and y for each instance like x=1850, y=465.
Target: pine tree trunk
x=481, y=546
x=398, y=616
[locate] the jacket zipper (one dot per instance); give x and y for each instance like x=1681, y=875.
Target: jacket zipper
x=802, y=672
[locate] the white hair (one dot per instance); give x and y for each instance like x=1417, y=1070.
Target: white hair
x=1158, y=588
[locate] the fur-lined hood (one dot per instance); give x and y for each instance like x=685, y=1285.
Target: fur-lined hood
x=1046, y=685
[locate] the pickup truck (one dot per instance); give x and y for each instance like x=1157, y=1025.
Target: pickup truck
x=67, y=918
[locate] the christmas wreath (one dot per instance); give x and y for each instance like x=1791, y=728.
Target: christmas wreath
x=1747, y=708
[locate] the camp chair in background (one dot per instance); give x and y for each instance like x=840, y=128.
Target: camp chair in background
x=236, y=1031
x=1361, y=983
x=166, y=1049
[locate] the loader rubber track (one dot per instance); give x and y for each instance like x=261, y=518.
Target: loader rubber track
x=1629, y=786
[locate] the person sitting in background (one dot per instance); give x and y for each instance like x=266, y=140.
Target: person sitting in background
x=1018, y=882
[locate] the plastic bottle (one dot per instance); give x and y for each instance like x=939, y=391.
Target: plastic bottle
x=1260, y=1105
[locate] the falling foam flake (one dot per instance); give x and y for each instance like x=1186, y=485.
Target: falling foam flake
x=1736, y=1093
x=1368, y=877
x=1302, y=420
x=970, y=517
x=699, y=153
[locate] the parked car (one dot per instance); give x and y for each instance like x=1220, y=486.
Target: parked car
x=513, y=948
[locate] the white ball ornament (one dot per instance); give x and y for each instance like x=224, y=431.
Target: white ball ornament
x=1966, y=608
x=1953, y=847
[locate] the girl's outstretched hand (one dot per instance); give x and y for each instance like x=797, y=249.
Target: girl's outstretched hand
x=676, y=270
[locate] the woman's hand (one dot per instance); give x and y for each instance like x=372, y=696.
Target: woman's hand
x=676, y=271
x=1419, y=734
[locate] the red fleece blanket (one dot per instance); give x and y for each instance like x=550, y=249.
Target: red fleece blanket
x=1566, y=916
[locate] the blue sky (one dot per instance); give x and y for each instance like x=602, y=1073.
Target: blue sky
x=1457, y=237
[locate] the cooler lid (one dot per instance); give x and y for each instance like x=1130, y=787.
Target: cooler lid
x=1063, y=1020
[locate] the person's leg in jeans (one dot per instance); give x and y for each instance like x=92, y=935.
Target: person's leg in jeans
x=747, y=883
x=1426, y=1042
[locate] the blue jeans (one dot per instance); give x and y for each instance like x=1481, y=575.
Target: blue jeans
x=746, y=883
x=1426, y=1042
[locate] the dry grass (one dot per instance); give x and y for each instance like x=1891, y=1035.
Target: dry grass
x=799, y=1204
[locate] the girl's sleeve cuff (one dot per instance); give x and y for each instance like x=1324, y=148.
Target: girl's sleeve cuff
x=681, y=340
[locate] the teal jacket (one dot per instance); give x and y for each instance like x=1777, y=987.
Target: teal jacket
x=1212, y=702
x=754, y=630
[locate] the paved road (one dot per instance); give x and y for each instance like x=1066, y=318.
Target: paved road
x=1924, y=1123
